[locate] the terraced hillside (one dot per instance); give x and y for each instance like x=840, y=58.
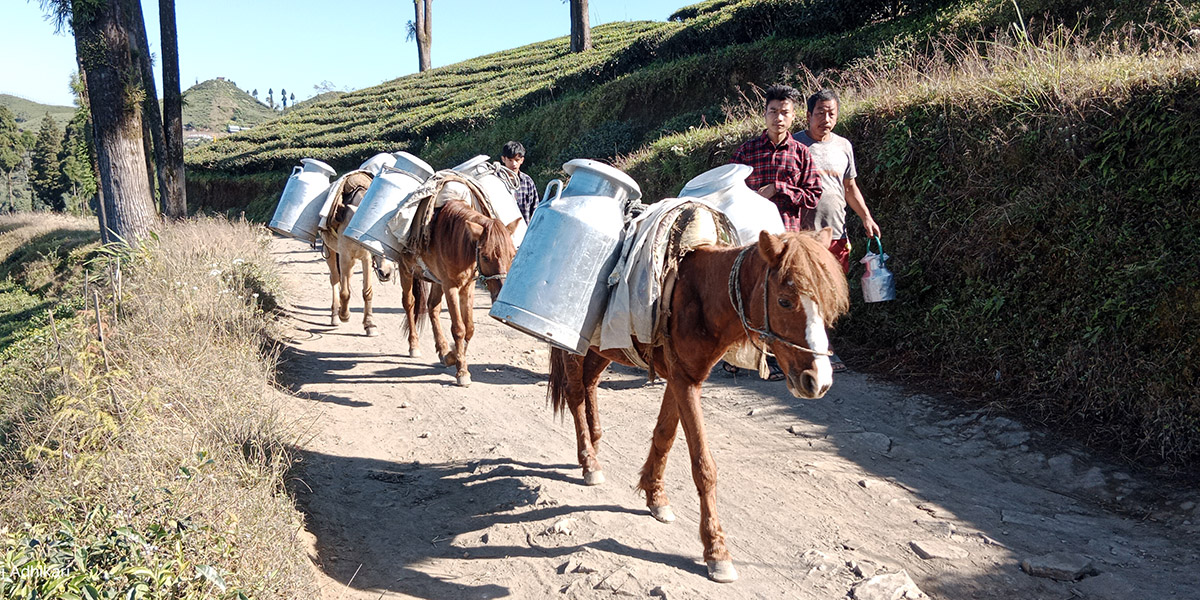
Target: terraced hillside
x=214, y=104
x=1028, y=162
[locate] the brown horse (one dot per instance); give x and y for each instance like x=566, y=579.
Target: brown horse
x=462, y=242
x=341, y=253
x=793, y=280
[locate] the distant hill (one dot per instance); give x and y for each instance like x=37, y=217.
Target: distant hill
x=214, y=104
x=29, y=113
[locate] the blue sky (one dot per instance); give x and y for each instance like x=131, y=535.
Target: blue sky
x=297, y=44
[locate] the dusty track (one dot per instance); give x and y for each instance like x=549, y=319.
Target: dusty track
x=414, y=487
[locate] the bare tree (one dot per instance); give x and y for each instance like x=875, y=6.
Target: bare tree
x=581, y=32
x=421, y=29
x=105, y=46
x=175, y=191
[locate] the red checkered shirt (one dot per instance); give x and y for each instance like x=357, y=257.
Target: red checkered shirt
x=790, y=167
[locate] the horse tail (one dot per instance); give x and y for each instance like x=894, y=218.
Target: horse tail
x=556, y=391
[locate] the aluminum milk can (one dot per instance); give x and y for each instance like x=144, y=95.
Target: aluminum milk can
x=557, y=288
x=375, y=164
x=725, y=187
x=298, y=213
x=368, y=226
x=498, y=193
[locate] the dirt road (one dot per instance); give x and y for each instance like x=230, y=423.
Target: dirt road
x=416, y=488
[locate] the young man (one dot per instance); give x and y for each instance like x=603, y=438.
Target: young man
x=512, y=156
x=783, y=172
x=783, y=169
x=833, y=158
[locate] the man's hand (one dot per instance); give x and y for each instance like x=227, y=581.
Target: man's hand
x=767, y=191
x=871, y=227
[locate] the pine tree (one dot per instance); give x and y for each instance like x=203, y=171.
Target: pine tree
x=11, y=150
x=78, y=180
x=283, y=98
x=46, y=173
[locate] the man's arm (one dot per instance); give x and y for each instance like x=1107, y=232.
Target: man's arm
x=855, y=199
x=805, y=190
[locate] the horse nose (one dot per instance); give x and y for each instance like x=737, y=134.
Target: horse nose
x=809, y=382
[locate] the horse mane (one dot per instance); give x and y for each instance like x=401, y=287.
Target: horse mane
x=452, y=222
x=815, y=272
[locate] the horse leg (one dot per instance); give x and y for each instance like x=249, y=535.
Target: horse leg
x=345, y=270
x=651, y=482
x=593, y=367
x=409, y=297
x=686, y=396
x=331, y=260
x=567, y=375
x=435, y=312
x=368, y=295
x=459, y=323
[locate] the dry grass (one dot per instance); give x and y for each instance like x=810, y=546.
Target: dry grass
x=174, y=419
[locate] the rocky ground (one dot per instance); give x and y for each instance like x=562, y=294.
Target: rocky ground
x=414, y=487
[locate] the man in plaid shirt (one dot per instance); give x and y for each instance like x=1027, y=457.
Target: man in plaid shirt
x=783, y=168
x=512, y=155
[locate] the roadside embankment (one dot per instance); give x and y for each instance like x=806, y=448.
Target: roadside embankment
x=143, y=450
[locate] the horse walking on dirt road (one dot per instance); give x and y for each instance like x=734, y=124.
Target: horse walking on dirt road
x=782, y=293
x=341, y=253
x=462, y=243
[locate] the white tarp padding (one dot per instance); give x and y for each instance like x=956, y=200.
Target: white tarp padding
x=638, y=278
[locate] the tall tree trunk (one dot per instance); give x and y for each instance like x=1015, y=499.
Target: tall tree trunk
x=152, y=124
x=101, y=213
x=581, y=32
x=424, y=31
x=174, y=188
x=103, y=42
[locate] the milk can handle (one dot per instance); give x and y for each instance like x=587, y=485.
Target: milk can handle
x=878, y=242
x=554, y=183
x=296, y=169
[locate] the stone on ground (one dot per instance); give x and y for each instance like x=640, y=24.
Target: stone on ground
x=1062, y=566
x=892, y=586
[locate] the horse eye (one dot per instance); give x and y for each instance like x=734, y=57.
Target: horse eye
x=785, y=303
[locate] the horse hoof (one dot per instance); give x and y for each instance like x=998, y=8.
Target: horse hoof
x=449, y=360
x=464, y=381
x=593, y=478
x=372, y=332
x=722, y=571
x=414, y=353
x=664, y=514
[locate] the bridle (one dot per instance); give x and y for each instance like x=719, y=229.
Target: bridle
x=735, y=296
x=479, y=269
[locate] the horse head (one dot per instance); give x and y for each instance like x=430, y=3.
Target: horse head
x=495, y=251
x=805, y=292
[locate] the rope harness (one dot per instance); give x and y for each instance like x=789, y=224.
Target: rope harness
x=767, y=336
x=479, y=269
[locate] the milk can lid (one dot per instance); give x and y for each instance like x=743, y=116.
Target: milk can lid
x=468, y=168
x=716, y=180
x=608, y=172
x=312, y=164
x=413, y=165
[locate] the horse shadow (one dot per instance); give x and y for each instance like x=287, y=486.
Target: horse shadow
x=470, y=510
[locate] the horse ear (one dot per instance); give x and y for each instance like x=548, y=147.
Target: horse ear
x=512, y=227
x=475, y=229
x=825, y=236
x=771, y=248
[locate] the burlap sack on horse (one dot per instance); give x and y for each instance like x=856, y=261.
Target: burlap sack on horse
x=653, y=245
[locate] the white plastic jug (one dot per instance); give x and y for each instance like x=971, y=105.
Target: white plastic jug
x=877, y=282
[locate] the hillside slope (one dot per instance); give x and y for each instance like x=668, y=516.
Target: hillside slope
x=214, y=104
x=29, y=113
x=1031, y=172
